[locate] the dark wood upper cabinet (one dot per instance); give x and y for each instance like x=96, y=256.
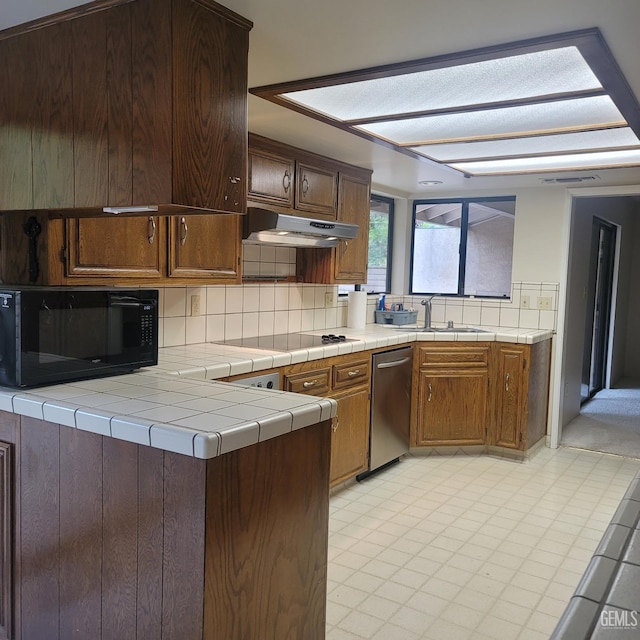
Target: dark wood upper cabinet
x=132, y=103
x=292, y=180
x=301, y=183
x=317, y=189
x=271, y=177
x=205, y=247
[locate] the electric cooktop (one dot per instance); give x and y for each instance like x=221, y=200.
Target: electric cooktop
x=287, y=341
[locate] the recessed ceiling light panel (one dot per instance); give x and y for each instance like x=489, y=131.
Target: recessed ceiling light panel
x=510, y=108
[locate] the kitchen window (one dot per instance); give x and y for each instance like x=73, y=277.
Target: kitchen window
x=463, y=246
x=380, y=240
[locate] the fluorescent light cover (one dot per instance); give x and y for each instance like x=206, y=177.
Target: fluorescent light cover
x=557, y=143
x=608, y=159
x=501, y=108
x=504, y=78
x=559, y=116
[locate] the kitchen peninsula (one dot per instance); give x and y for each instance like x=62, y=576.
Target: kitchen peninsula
x=168, y=504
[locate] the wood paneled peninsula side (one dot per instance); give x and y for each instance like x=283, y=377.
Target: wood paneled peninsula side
x=113, y=527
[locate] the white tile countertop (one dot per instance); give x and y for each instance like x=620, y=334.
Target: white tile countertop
x=178, y=405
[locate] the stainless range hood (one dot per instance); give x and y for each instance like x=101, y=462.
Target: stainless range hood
x=262, y=226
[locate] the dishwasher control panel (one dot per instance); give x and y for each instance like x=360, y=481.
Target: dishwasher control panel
x=266, y=381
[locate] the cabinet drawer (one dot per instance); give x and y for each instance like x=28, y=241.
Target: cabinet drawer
x=351, y=374
x=454, y=356
x=314, y=383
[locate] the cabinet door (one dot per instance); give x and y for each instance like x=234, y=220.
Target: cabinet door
x=510, y=398
x=125, y=248
x=271, y=178
x=353, y=207
x=206, y=247
x=452, y=407
x=209, y=61
x=350, y=437
x=316, y=189
x=6, y=540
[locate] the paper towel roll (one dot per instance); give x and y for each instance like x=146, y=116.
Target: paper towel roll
x=357, y=309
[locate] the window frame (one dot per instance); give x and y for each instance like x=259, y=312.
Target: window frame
x=462, y=252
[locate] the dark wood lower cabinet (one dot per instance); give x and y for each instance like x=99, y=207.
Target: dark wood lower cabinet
x=6, y=540
x=110, y=540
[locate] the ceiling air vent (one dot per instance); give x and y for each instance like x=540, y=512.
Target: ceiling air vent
x=569, y=179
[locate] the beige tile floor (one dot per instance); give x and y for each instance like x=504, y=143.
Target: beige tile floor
x=458, y=547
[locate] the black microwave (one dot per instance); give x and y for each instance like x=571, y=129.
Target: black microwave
x=59, y=334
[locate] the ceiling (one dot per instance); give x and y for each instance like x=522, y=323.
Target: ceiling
x=296, y=39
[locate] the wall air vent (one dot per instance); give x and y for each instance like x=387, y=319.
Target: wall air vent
x=569, y=179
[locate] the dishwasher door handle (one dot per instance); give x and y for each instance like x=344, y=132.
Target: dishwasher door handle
x=394, y=363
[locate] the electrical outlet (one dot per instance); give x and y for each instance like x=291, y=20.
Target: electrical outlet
x=544, y=302
x=195, y=305
x=329, y=299
x=525, y=302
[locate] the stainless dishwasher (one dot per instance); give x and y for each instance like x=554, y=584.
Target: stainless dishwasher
x=390, y=408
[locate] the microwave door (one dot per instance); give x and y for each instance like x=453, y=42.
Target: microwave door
x=84, y=331
x=123, y=328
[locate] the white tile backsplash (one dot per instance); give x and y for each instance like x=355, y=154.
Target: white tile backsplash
x=236, y=311
x=175, y=302
x=234, y=300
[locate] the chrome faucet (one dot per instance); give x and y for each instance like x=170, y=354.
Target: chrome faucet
x=426, y=303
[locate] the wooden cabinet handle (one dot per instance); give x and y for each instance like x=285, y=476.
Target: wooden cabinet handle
x=286, y=181
x=507, y=383
x=345, y=246
x=305, y=186
x=184, y=231
x=311, y=383
x=353, y=373
x=152, y=229
x=430, y=393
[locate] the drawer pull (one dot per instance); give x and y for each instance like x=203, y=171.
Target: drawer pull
x=286, y=181
x=335, y=424
x=305, y=186
x=507, y=383
x=430, y=393
x=354, y=373
x=311, y=383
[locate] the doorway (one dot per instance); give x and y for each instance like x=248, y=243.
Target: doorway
x=598, y=316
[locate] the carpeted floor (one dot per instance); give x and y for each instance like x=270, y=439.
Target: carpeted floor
x=609, y=422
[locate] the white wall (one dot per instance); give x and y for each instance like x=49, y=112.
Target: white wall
x=539, y=234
